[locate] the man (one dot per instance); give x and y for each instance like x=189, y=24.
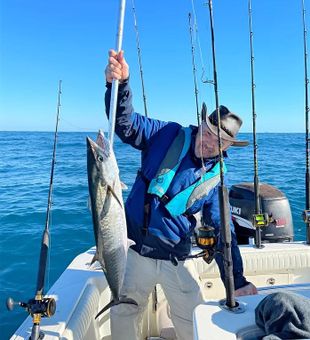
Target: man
x=174, y=160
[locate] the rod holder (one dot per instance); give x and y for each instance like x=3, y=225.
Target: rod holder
x=239, y=308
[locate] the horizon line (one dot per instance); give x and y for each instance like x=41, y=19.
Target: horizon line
x=95, y=131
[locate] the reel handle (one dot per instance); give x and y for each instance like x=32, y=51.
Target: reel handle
x=10, y=303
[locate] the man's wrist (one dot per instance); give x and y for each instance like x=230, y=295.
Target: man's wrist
x=240, y=281
x=123, y=82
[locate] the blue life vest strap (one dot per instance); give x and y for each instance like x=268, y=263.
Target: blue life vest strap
x=182, y=201
x=170, y=164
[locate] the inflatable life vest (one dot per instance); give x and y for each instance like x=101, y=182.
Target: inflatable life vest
x=181, y=202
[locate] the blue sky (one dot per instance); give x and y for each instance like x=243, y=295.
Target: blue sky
x=44, y=41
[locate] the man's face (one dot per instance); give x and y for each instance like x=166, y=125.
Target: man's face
x=206, y=143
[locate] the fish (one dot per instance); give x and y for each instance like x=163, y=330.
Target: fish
x=108, y=215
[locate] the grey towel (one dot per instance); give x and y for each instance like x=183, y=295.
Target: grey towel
x=284, y=315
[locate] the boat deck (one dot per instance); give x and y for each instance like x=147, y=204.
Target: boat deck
x=212, y=322
x=81, y=291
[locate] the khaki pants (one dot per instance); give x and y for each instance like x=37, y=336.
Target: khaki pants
x=181, y=285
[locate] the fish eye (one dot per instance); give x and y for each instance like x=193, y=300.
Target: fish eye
x=100, y=158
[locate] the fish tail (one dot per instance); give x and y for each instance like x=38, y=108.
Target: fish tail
x=117, y=302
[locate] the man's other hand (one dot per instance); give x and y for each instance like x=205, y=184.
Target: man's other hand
x=249, y=289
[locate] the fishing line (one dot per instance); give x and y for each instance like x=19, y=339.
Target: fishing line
x=196, y=91
x=194, y=68
x=80, y=129
x=204, y=79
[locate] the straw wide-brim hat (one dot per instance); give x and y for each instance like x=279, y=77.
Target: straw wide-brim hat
x=230, y=124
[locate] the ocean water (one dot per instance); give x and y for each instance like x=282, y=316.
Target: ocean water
x=25, y=162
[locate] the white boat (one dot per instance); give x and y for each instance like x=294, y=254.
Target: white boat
x=81, y=291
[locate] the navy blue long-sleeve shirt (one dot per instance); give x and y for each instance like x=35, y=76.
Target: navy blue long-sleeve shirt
x=168, y=236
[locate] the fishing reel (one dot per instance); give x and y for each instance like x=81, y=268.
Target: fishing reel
x=261, y=220
x=206, y=240
x=37, y=308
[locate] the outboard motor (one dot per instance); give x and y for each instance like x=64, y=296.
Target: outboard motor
x=273, y=202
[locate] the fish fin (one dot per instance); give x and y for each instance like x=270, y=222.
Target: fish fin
x=95, y=267
x=124, y=186
x=110, y=189
x=130, y=242
x=100, y=138
x=103, y=268
x=114, y=302
x=96, y=258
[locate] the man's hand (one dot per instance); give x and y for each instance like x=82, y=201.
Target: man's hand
x=249, y=289
x=117, y=67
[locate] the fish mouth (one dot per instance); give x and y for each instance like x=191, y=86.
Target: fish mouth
x=94, y=157
x=90, y=143
x=91, y=147
x=100, y=147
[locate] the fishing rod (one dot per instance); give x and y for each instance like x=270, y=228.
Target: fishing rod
x=139, y=57
x=115, y=82
x=41, y=306
x=223, y=192
x=306, y=213
x=259, y=220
